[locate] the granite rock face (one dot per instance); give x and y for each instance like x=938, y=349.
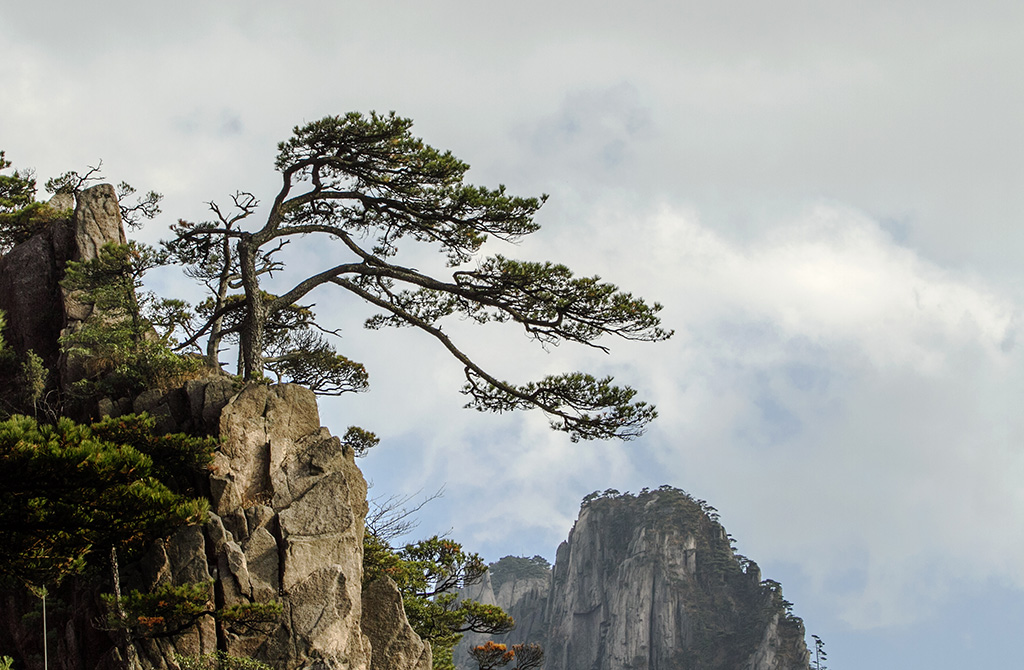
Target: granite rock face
x=650, y=582
x=288, y=505
x=97, y=221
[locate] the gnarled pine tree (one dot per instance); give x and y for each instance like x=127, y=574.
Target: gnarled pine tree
x=366, y=183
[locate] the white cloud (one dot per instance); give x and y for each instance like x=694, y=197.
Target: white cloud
x=858, y=396
x=847, y=404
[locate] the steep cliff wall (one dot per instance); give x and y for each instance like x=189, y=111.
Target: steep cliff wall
x=523, y=597
x=650, y=582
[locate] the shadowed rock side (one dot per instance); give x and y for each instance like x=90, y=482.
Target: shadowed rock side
x=650, y=582
x=36, y=306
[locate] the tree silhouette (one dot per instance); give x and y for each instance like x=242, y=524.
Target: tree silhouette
x=364, y=185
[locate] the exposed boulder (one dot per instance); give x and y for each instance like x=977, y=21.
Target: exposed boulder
x=395, y=645
x=288, y=506
x=97, y=221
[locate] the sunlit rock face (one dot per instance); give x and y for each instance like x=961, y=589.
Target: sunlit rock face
x=395, y=645
x=650, y=582
x=288, y=504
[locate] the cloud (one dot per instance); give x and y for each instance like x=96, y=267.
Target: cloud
x=858, y=396
x=592, y=125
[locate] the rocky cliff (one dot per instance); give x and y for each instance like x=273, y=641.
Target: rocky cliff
x=37, y=308
x=650, y=582
x=287, y=508
x=287, y=503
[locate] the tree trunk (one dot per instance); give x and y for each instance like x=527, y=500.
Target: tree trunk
x=131, y=658
x=46, y=651
x=251, y=339
x=213, y=344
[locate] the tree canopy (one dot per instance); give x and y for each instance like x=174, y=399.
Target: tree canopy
x=366, y=185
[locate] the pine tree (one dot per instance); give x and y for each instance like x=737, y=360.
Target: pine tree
x=366, y=185
x=69, y=494
x=428, y=573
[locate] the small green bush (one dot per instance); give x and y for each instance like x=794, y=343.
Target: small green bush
x=218, y=660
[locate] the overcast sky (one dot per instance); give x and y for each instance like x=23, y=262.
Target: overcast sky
x=825, y=196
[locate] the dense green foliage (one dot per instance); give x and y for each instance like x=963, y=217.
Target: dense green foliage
x=428, y=573
x=19, y=225
x=179, y=460
x=218, y=660
x=169, y=610
x=20, y=215
x=23, y=380
x=69, y=493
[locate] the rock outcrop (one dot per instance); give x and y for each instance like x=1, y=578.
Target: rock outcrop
x=37, y=308
x=650, y=582
x=288, y=504
x=395, y=645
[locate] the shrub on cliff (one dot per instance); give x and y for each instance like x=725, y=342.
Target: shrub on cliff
x=428, y=574
x=517, y=567
x=118, y=346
